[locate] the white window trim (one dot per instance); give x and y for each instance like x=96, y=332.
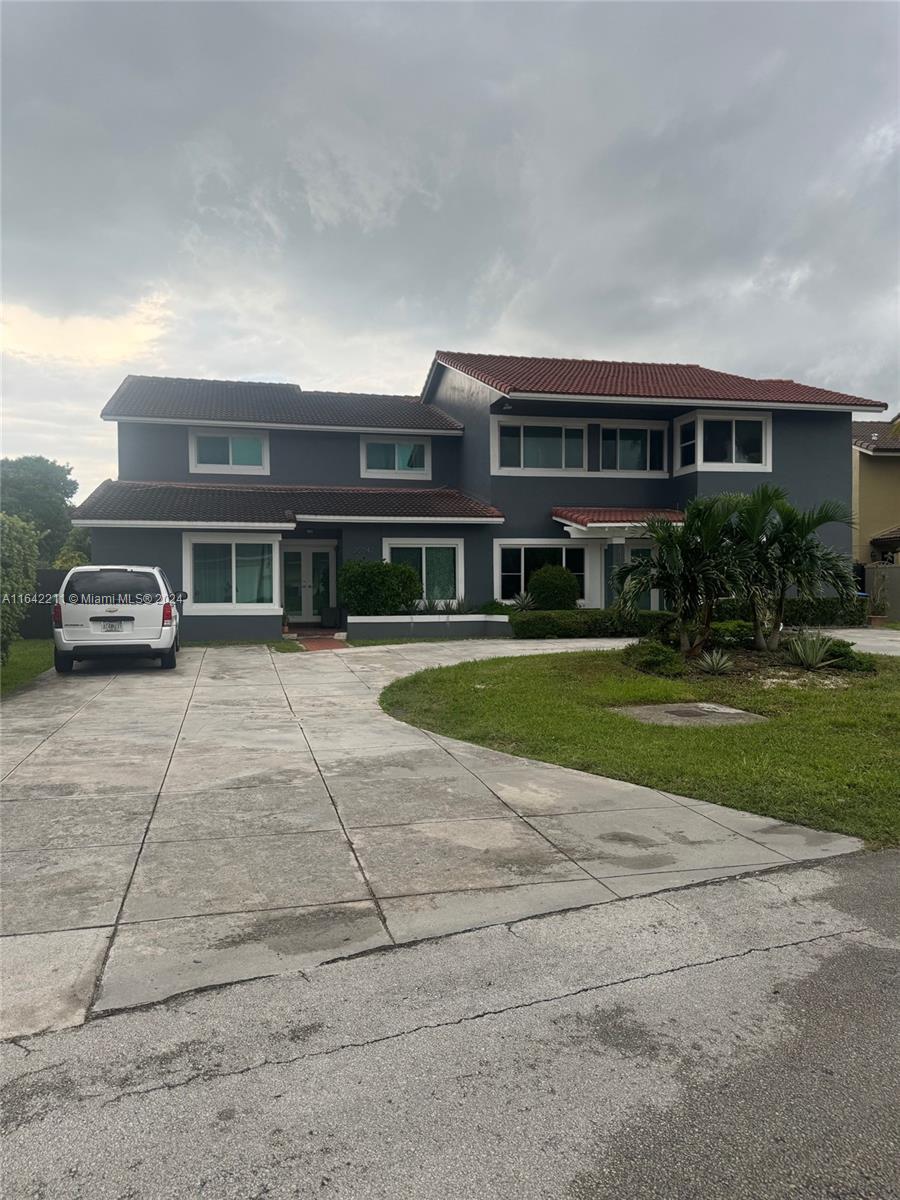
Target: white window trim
x=188, y=541
x=698, y=416
x=556, y=422
x=648, y=425
x=367, y=473
x=458, y=544
x=198, y=468
x=590, y=564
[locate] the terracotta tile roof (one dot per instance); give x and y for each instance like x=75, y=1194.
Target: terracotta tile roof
x=676, y=381
x=877, y=436
x=888, y=538
x=613, y=516
x=161, y=399
x=122, y=500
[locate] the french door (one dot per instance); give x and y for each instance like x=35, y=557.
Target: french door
x=309, y=580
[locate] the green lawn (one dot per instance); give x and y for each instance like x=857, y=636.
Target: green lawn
x=828, y=756
x=26, y=659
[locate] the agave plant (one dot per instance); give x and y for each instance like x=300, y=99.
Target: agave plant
x=523, y=601
x=458, y=607
x=811, y=651
x=715, y=662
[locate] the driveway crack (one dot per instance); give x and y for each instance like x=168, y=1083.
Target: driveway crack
x=481, y=1014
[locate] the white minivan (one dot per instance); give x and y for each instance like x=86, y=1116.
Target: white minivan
x=115, y=611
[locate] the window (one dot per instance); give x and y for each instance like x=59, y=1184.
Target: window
x=224, y=574
x=438, y=565
x=387, y=458
x=519, y=563
x=633, y=448
x=720, y=441
x=113, y=587
x=540, y=447
x=220, y=452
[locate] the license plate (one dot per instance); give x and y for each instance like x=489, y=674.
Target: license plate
x=112, y=627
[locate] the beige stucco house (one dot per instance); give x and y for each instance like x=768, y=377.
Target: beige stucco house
x=876, y=490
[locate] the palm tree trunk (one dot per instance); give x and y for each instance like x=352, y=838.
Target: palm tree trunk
x=774, y=639
x=759, y=633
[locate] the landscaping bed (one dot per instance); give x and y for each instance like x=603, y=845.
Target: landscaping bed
x=826, y=757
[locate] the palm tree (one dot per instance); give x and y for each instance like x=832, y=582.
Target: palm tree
x=757, y=525
x=800, y=560
x=693, y=565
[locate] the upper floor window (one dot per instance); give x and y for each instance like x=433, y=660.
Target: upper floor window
x=223, y=452
x=395, y=458
x=539, y=447
x=627, y=447
x=720, y=441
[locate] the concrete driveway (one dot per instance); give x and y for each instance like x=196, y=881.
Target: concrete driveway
x=254, y=814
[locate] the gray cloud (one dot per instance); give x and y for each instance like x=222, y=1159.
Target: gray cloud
x=327, y=193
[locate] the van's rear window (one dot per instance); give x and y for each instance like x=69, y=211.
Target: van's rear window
x=112, y=587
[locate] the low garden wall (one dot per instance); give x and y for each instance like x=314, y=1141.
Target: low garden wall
x=428, y=625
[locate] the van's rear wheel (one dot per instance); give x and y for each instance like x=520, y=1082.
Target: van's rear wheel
x=167, y=660
x=63, y=662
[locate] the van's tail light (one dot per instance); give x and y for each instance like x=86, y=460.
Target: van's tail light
x=167, y=614
x=57, y=616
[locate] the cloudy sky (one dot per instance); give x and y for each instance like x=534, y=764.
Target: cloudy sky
x=326, y=193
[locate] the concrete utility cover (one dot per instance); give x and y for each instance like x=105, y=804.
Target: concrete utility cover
x=689, y=713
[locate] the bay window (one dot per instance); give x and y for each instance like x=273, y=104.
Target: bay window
x=395, y=458
x=721, y=441
x=225, y=452
x=540, y=446
x=438, y=563
x=633, y=448
x=519, y=562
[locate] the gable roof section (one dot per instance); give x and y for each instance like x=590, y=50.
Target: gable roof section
x=515, y=375
x=274, y=506
x=219, y=401
x=878, y=437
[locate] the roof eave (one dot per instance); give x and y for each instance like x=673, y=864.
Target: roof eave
x=284, y=425
x=692, y=402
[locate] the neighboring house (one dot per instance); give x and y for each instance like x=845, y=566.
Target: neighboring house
x=876, y=490
x=250, y=495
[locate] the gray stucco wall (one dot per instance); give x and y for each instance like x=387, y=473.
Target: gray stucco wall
x=160, y=452
x=469, y=402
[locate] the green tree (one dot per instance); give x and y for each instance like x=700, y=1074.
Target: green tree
x=18, y=575
x=76, y=550
x=39, y=491
x=693, y=564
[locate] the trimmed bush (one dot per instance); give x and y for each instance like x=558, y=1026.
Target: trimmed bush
x=377, y=589
x=848, y=658
x=553, y=588
x=653, y=658
x=732, y=633
x=588, y=622
x=19, y=550
x=823, y=610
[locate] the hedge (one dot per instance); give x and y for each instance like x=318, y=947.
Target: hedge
x=372, y=588
x=19, y=551
x=823, y=610
x=587, y=622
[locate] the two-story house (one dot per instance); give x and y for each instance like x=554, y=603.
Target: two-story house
x=250, y=495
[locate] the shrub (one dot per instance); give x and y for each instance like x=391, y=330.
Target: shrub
x=846, y=658
x=811, y=651
x=653, y=658
x=588, y=622
x=715, y=662
x=732, y=633
x=821, y=610
x=19, y=550
x=553, y=588
x=377, y=589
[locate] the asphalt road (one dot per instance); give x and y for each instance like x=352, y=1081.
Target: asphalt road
x=736, y=1039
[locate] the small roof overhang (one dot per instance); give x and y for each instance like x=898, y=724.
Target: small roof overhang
x=613, y=523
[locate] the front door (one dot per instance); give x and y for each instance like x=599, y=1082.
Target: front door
x=309, y=582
